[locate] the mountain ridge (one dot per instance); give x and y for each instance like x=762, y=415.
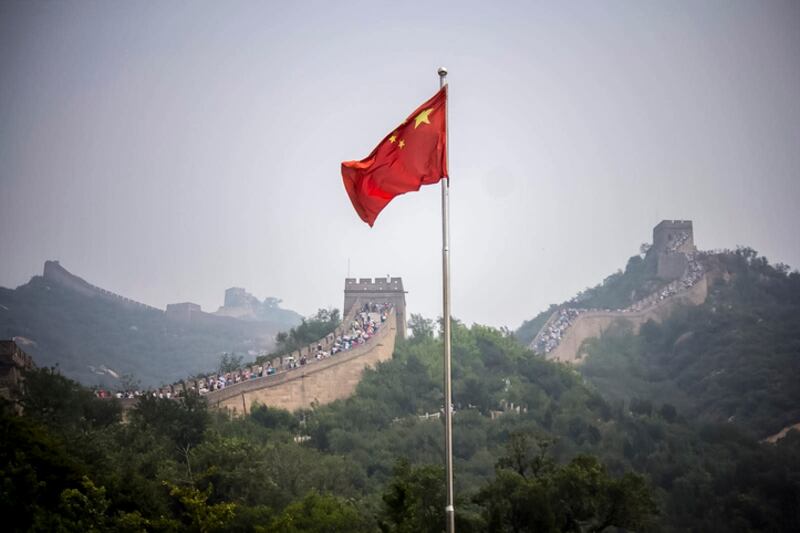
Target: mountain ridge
x=97, y=337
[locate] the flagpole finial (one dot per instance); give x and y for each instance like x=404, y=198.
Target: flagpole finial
x=442, y=71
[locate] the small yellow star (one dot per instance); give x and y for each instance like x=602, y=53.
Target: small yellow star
x=402, y=143
x=422, y=118
x=393, y=138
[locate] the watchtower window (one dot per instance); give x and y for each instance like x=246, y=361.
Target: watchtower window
x=669, y=236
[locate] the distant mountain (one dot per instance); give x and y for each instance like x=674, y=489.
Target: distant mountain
x=242, y=305
x=98, y=337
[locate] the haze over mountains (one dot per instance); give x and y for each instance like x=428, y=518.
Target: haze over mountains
x=697, y=405
x=688, y=417
x=169, y=151
x=98, y=337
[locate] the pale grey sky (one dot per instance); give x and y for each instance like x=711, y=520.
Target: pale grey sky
x=169, y=150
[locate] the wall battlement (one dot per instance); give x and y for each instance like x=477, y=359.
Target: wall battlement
x=672, y=240
x=319, y=382
x=55, y=273
x=593, y=324
x=378, y=290
x=673, y=235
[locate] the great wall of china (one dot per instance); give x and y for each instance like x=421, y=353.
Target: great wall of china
x=318, y=381
x=54, y=272
x=332, y=378
x=593, y=324
x=562, y=337
x=329, y=379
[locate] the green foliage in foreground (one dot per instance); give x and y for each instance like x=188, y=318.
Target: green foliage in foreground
x=533, y=493
x=536, y=448
x=310, y=330
x=175, y=466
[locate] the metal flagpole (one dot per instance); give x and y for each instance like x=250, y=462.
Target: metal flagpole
x=449, y=509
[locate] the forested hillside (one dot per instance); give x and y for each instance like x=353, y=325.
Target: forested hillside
x=568, y=460
x=84, y=336
x=735, y=359
x=617, y=291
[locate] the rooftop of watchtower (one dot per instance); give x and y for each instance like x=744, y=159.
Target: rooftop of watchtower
x=370, y=284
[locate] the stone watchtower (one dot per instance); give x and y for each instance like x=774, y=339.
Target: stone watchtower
x=672, y=240
x=381, y=290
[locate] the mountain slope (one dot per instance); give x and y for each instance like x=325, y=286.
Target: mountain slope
x=87, y=335
x=704, y=476
x=734, y=359
x=707, y=476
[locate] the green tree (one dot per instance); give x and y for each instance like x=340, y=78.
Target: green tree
x=273, y=418
x=62, y=403
x=196, y=513
x=182, y=422
x=321, y=513
x=421, y=326
x=230, y=362
x=533, y=493
x=35, y=467
x=310, y=330
x=412, y=501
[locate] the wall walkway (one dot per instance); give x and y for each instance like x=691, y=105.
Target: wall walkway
x=592, y=324
x=318, y=382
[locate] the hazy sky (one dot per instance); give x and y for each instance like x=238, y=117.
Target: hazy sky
x=169, y=150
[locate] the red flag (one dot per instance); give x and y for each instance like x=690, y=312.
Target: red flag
x=412, y=155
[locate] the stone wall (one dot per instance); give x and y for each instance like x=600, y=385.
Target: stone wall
x=593, y=323
x=671, y=265
x=380, y=290
x=319, y=382
x=55, y=273
x=667, y=230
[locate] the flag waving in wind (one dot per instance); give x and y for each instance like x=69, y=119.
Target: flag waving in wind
x=411, y=155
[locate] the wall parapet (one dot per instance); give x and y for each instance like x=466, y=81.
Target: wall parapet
x=379, y=290
x=317, y=382
x=592, y=324
x=302, y=372
x=55, y=273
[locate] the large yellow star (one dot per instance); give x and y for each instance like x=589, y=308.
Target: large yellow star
x=422, y=118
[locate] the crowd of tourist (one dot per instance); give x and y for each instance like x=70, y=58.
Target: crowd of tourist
x=550, y=337
x=693, y=273
x=169, y=391
x=365, y=323
x=679, y=240
x=362, y=327
x=554, y=330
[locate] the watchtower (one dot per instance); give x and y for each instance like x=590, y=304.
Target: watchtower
x=380, y=290
x=673, y=236
x=672, y=240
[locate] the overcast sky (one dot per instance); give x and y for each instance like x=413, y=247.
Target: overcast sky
x=169, y=150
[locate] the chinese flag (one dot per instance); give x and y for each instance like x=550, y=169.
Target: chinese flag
x=412, y=155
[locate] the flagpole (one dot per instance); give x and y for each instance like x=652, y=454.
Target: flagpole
x=449, y=509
